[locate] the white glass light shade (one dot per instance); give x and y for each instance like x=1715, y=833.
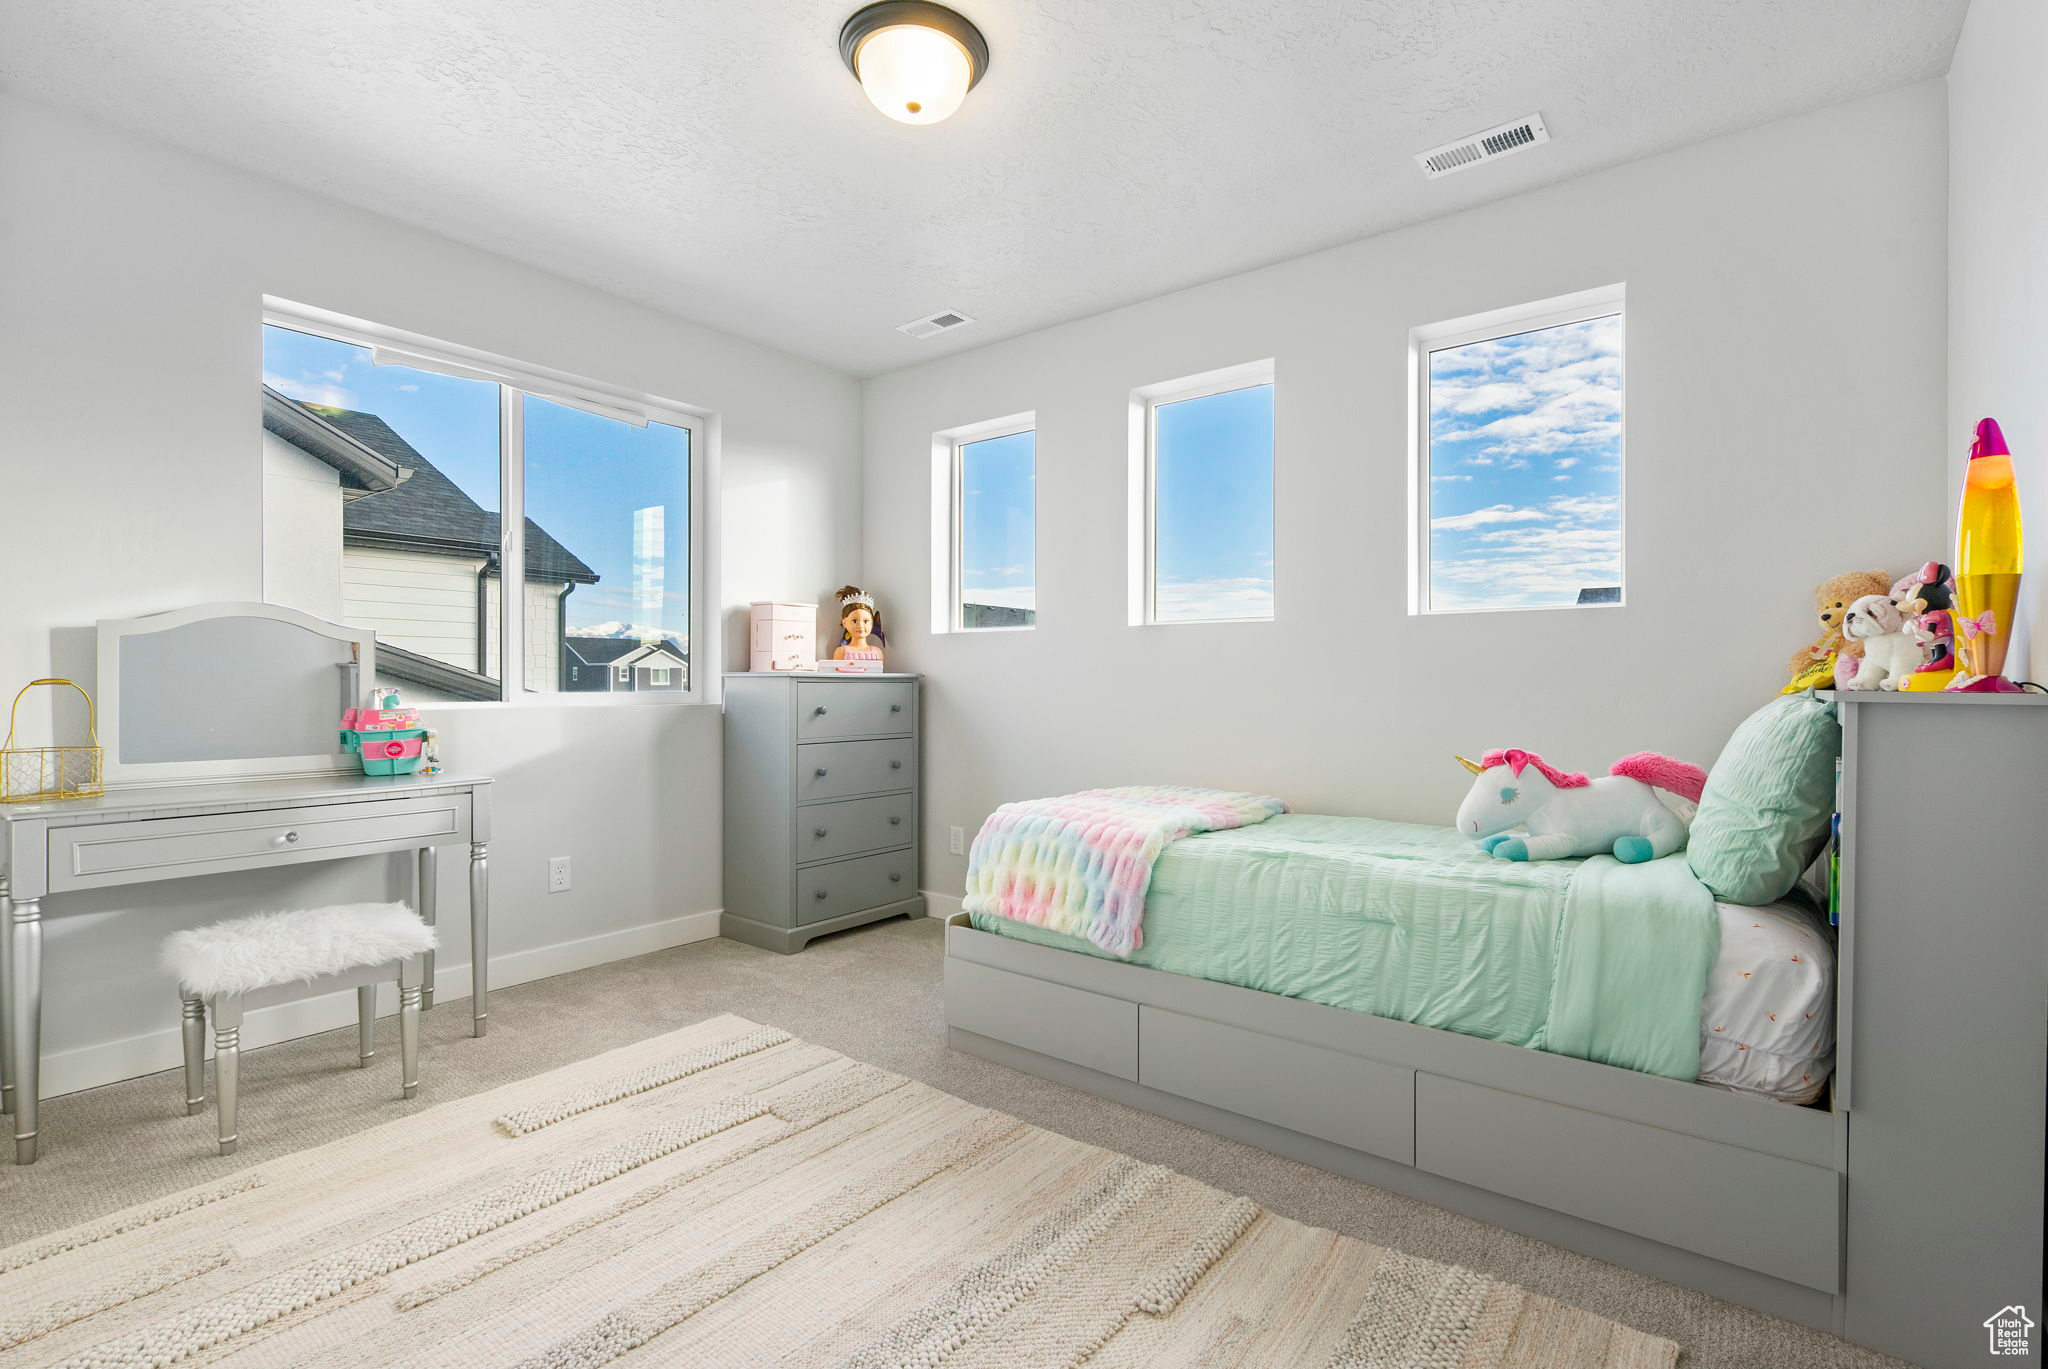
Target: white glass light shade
x=913, y=74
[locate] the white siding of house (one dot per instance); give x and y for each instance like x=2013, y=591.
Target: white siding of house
x=421, y=602
x=543, y=646
x=301, y=530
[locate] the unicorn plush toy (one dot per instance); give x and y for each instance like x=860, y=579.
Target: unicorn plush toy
x=1640, y=809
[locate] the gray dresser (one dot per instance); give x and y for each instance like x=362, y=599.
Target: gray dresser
x=820, y=804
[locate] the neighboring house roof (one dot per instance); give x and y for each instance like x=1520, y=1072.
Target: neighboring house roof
x=428, y=512
x=452, y=680
x=363, y=471
x=616, y=651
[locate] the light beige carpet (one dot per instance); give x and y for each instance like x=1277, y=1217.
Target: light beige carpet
x=730, y=1196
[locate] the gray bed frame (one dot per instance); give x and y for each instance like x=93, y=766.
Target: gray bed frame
x=1745, y=1198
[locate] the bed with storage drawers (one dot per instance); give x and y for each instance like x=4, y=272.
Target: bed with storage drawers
x=1899, y=1209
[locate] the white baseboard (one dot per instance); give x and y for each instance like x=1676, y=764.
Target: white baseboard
x=111, y=1061
x=940, y=905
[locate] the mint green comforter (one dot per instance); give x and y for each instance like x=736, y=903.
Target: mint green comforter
x=1590, y=958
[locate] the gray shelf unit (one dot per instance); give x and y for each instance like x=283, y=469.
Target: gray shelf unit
x=1901, y=1216
x=821, y=799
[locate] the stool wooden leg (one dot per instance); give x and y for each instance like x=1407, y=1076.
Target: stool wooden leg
x=366, y=1024
x=227, y=1066
x=409, y=977
x=194, y=1026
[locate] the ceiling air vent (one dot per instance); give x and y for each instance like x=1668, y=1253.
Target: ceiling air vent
x=931, y=325
x=1483, y=147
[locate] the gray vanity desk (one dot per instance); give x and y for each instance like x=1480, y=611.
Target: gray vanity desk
x=220, y=729
x=138, y=836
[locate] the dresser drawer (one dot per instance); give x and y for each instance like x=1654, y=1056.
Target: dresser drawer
x=827, y=831
x=849, y=886
x=855, y=710
x=1763, y=1212
x=838, y=770
x=156, y=848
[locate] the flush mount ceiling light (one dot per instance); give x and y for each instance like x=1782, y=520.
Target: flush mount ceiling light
x=916, y=60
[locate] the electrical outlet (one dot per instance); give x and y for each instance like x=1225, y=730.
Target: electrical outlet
x=558, y=874
x=957, y=841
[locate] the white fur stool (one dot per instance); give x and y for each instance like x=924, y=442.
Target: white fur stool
x=250, y=962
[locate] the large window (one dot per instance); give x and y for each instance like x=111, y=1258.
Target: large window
x=388, y=476
x=996, y=477
x=1203, y=483
x=1520, y=469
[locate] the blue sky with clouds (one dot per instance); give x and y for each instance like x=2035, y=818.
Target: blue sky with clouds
x=1525, y=467
x=998, y=521
x=585, y=475
x=1212, y=491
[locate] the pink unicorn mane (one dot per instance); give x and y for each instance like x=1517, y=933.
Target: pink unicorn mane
x=1662, y=772
x=1517, y=759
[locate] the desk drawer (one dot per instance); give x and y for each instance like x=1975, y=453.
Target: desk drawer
x=827, y=831
x=851, y=886
x=848, y=709
x=159, y=848
x=837, y=770
x=1762, y=1212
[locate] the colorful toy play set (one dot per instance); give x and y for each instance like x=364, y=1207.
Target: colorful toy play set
x=386, y=736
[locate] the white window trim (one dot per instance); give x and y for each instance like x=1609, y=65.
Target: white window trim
x=1484, y=327
x=947, y=545
x=1141, y=535
x=394, y=346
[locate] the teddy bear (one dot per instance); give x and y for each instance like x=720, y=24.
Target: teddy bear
x=1812, y=667
x=1890, y=650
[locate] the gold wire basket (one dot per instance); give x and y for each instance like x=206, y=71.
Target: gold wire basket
x=32, y=773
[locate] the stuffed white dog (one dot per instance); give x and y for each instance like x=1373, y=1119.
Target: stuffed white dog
x=1890, y=650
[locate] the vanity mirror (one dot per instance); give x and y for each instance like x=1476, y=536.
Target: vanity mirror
x=227, y=691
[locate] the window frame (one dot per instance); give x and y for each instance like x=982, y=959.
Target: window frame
x=1602, y=302
x=515, y=380
x=1143, y=532
x=949, y=509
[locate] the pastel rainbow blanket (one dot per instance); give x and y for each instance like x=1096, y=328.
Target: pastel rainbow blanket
x=1081, y=863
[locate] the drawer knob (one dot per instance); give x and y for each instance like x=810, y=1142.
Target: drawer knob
x=818, y=712
x=284, y=839
x=820, y=772
x=895, y=765
x=895, y=822
x=819, y=834
x=819, y=894
x=895, y=708
x=896, y=879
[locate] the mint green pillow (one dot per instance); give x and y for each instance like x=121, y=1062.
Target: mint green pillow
x=1768, y=800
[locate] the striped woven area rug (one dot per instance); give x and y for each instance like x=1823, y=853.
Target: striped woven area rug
x=730, y=1196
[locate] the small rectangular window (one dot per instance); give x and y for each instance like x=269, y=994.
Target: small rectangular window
x=995, y=567
x=1208, y=498
x=1519, y=422
x=624, y=675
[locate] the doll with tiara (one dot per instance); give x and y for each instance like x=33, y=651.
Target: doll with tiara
x=860, y=627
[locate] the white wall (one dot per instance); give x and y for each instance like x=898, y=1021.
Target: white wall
x=1786, y=421
x=1998, y=267
x=131, y=280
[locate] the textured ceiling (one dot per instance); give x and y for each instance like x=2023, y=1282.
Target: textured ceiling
x=717, y=161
